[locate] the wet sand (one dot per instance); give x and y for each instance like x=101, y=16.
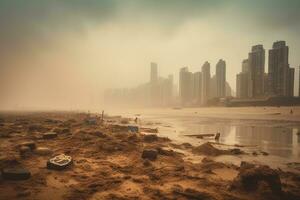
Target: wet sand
x=109, y=163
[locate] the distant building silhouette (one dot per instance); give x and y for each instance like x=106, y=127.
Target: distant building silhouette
x=221, y=78
x=197, y=87
x=153, y=72
x=256, y=59
x=185, y=85
x=281, y=76
x=205, y=82
x=243, y=81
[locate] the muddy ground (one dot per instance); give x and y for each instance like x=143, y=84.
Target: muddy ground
x=112, y=162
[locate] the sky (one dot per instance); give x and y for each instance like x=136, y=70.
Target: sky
x=65, y=53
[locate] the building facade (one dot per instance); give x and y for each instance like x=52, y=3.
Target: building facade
x=256, y=61
x=205, y=82
x=185, y=85
x=280, y=75
x=221, y=78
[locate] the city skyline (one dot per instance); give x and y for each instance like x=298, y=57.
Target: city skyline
x=60, y=53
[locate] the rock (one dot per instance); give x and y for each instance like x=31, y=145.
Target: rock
x=24, y=151
x=264, y=153
x=208, y=149
x=236, y=151
x=251, y=177
x=15, y=173
x=29, y=144
x=150, y=154
x=59, y=162
x=49, y=135
x=165, y=152
x=43, y=151
x=150, y=138
x=190, y=193
x=91, y=121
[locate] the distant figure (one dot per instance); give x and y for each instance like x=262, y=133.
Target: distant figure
x=217, y=137
x=136, y=120
x=291, y=112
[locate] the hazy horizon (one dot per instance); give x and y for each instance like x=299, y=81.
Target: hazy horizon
x=64, y=54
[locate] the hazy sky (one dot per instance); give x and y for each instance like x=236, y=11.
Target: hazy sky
x=63, y=53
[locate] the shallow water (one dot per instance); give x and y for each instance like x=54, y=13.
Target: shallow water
x=277, y=137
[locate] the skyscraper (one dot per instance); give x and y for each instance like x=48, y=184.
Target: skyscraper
x=221, y=78
x=256, y=59
x=197, y=81
x=185, y=85
x=205, y=82
x=153, y=73
x=281, y=76
x=242, y=80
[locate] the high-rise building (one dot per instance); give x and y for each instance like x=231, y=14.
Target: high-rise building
x=281, y=76
x=197, y=82
x=256, y=59
x=185, y=85
x=205, y=82
x=242, y=80
x=221, y=78
x=153, y=73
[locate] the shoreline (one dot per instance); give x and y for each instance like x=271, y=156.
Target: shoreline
x=111, y=162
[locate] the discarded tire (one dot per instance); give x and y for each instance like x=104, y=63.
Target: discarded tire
x=59, y=162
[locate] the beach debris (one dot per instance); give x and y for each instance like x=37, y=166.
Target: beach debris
x=30, y=144
x=49, y=135
x=217, y=136
x=59, y=162
x=134, y=129
x=251, y=177
x=15, y=173
x=150, y=138
x=43, y=151
x=91, y=121
x=150, y=154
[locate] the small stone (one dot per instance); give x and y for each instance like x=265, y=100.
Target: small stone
x=150, y=154
x=150, y=138
x=29, y=144
x=133, y=129
x=17, y=173
x=24, y=150
x=43, y=151
x=49, y=135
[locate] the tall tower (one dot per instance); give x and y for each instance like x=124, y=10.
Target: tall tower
x=205, y=82
x=256, y=59
x=221, y=78
x=185, y=85
x=281, y=76
x=153, y=73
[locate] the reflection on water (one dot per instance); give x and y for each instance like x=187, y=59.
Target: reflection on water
x=279, y=138
x=282, y=140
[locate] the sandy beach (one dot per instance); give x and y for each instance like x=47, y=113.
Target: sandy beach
x=112, y=160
